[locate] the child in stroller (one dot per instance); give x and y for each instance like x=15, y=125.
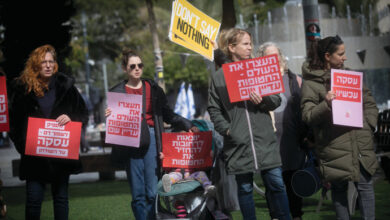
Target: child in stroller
x=180, y=195
x=176, y=175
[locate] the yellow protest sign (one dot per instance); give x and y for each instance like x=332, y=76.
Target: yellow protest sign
x=193, y=29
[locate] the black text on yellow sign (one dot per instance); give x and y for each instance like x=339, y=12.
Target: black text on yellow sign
x=193, y=34
x=192, y=28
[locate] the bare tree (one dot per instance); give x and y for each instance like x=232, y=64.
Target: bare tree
x=159, y=73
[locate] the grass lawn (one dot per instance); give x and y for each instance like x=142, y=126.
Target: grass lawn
x=111, y=200
x=382, y=198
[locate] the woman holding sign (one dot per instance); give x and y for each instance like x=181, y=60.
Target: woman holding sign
x=43, y=92
x=345, y=153
x=290, y=129
x=250, y=143
x=141, y=164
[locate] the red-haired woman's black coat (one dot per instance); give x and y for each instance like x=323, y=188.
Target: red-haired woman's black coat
x=23, y=105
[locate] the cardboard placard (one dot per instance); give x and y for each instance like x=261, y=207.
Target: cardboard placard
x=261, y=75
x=45, y=138
x=193, y=29
x=123, y=126
x=187, y=149
x=347, y=107
x=4, y=118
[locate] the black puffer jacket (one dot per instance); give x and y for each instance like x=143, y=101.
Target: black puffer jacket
x=67, y=101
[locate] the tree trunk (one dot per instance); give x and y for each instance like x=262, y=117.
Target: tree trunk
x=158, y=62
x=228, y=14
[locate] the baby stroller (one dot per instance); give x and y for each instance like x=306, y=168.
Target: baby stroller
x=188, y=195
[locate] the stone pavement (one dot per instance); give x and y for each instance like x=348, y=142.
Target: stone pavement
x=9, y=153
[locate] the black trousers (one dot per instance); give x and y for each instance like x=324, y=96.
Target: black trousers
x=294, y=201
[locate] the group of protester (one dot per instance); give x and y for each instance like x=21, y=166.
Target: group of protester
x=250, y=144
x=264, y=134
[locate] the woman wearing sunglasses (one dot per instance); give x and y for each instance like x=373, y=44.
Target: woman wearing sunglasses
x=141, y=164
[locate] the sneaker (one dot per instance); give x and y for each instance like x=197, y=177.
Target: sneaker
x=166, y=182
x=209, y=190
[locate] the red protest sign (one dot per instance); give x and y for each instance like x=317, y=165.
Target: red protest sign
x=261, y=75
x=346, y=79
x=347, y=85
x=187, y=149
x=45, y=138
x=348, y=94
x=4, y=119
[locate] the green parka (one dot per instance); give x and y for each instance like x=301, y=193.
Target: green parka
x=251, y=143
x=340, y=149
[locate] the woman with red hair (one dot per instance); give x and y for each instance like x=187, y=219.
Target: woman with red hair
x=43, y=92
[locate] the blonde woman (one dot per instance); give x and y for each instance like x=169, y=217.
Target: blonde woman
x=250, y=144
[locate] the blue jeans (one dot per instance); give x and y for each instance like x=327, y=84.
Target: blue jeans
x=366, y=198
x=35, y=193
x=142, y=177
x=275, y=193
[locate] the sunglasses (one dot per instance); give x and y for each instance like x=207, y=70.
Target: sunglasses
x=140, y=66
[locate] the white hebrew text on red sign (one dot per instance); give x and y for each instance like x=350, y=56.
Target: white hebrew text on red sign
x=261, y=75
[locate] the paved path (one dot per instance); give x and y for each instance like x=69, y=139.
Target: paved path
x=9, y=153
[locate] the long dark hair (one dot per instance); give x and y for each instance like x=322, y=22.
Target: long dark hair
x=319, y=48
